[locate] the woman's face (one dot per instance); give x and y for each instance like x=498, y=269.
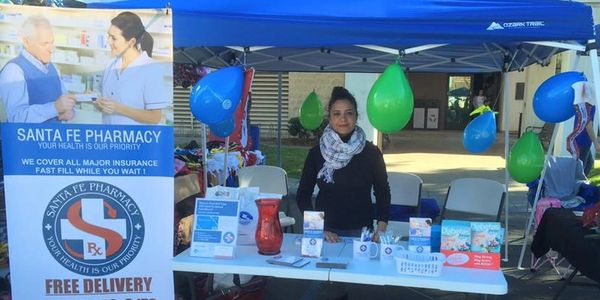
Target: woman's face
x=342, y=117
x=117, y=42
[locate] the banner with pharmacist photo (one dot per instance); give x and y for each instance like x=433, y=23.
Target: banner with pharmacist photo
x=86, y=110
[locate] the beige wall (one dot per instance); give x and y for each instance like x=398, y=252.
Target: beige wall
x=535, y=75
x=431, y=86
x=516, y=107
x=301, y=84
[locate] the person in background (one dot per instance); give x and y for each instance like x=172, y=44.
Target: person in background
x=579, y=142
x=346, y=168
x=479, y=99
x=30, y=85
x=132, y=87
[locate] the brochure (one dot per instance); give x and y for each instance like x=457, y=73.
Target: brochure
x=312, y=241
x=419, y=235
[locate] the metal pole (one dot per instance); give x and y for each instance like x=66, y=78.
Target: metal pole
x=537, y=197
x=279, y=109
x=505, y=122
x=225, y=162
x=539, y=188
x=204, y=153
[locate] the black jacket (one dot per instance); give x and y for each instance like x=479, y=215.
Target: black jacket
x=347, y=201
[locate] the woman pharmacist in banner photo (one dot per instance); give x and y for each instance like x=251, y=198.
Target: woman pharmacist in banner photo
x=133, y=91
x=346, y=168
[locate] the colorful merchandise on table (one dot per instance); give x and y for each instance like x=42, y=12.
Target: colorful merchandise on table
x=189, y=160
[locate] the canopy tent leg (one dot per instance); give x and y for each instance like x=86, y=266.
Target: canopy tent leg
x=204, y=166
x=537, y=197
x=279, y=108
x=225, y=162
x=505, y=122
x=539, y=187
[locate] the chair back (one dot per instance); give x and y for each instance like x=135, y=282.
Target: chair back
x=405, y=188
x=269, y=179
x=475, y=195
x=563, y=176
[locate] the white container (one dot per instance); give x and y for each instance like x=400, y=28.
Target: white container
x=422, y=264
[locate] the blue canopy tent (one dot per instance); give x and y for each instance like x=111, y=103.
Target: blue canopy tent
x=432, y=36
x=365, y=36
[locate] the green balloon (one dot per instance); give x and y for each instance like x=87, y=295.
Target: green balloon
x=391, y=102
x=311, y=112
x=526, y=158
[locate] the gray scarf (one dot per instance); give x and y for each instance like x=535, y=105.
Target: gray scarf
x=336, y=153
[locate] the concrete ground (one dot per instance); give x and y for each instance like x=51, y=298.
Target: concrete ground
x=438, y=157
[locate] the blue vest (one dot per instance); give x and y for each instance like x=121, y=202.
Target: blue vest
x=42, y=87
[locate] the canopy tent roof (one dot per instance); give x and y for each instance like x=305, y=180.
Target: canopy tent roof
x=314, y=35
x=365, y=36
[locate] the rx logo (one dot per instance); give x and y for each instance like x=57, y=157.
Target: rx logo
x=93, y=228
x=228, y=237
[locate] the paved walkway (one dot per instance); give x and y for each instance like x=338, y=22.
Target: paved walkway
x=438, y=157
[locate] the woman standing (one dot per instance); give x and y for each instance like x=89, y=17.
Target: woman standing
x=346, y=168
x=133, y=90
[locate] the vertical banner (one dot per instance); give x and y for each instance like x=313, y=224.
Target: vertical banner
x=88, y=152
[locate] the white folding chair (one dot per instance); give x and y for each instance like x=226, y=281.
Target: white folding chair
x=269, y=179
x=405, y=189
x=475, y=196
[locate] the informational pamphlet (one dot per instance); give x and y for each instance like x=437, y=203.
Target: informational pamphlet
x=472, y=244
x=312, y=241
x=216, y=228
x=419, y=238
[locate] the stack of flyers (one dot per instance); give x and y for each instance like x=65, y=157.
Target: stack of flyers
x=486, y=237
x=456, y=235
x=312, y=241
x=419, y=235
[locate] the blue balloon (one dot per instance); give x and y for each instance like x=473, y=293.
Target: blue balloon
x=553, y=100
x=480, y=134
x=224, y=128
x=216, y=96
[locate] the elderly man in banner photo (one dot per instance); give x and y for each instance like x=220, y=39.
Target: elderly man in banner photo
x=30, y=85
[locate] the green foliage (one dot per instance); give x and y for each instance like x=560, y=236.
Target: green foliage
x=292, y=158
x=594, y=176
x=296, y=129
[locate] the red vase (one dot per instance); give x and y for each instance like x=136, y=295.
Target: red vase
x=268, y=231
